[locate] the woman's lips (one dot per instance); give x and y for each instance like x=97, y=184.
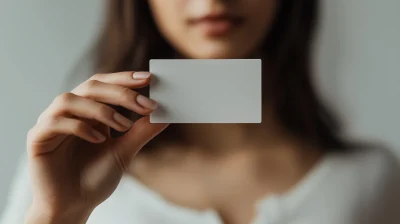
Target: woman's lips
x=215, y=26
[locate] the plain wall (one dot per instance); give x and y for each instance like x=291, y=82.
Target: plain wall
x=358, y=57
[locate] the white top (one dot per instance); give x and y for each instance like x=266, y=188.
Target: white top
x=362, y=187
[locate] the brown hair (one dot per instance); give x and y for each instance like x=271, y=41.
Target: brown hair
x=131, y=39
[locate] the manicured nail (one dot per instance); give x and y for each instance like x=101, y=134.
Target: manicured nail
x=125, y=122
x=141, y=75
x=98, y=136
x=146, y=102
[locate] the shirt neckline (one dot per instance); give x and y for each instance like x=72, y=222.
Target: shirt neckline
x=272, y=205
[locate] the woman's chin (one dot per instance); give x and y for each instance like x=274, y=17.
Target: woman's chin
x=214, y=53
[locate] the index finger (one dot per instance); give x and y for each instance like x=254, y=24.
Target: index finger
x=128, y=79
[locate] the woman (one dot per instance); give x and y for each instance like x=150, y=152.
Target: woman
x=293, y=168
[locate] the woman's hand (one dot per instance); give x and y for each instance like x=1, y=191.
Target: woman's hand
x=74, y=163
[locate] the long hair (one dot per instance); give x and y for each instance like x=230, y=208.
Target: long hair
x=131, y=39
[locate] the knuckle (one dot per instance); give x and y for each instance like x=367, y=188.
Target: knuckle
x=63, y=98
x=58, y=109
x=90, y=84
x=32, y=134
x=79, y=127
x=50, y=121
x=96, y=76
x=59, y=106
x=128, y=94
x=105, y=111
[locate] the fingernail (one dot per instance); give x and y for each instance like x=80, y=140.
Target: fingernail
x=146, y=102
x=141, y=75
x=98, y=136
x=125, y=122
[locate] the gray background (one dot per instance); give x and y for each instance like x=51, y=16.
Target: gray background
x=358, y=56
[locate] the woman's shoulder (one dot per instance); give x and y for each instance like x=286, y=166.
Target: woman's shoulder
x=375, y=172
x=378, y=184
x=366, y=172
x=381, y=165
x=361, y=184
x=379, y=162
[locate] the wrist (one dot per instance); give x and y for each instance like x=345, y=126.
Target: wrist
x=36, y=215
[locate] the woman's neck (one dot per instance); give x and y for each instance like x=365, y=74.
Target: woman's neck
x=273, y=151
x=221, y=138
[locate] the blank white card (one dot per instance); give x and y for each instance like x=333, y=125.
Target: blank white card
x=206, y=91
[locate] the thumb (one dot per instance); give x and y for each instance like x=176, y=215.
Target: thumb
x=131, y=142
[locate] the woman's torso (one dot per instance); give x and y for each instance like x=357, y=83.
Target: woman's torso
x=340, y=188
x=350, y=188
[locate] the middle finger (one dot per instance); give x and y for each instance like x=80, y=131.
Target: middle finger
x=116, y=95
